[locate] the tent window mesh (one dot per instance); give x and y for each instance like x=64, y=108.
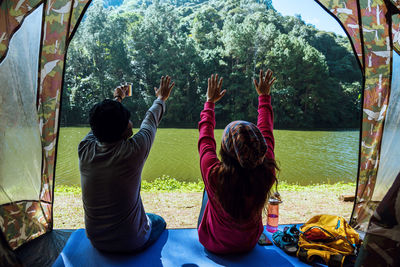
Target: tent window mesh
x=20, y=144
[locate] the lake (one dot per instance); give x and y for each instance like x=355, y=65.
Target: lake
x=304, y=157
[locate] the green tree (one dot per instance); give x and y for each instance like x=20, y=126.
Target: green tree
x=318, y=76
x=97, y=61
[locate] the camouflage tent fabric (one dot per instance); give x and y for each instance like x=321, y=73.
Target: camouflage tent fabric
x=396, y=3
x=9, y=24
x=368, y=23
x=396, y=32
x=25, y=220
x=373, y=27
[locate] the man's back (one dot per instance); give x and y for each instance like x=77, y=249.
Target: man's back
x=110, y=177
x=115, y=219
x=111, y=165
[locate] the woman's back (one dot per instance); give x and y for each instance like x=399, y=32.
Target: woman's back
x=242, y=192
x=219, y=232
x=227, y=226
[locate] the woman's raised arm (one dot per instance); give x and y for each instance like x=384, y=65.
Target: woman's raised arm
x=265, y=119
x=207, y=145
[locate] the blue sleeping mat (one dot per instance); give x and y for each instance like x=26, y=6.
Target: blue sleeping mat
x=178, y=247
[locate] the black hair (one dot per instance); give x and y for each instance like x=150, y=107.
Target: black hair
x=243, y=192
x=108, y=120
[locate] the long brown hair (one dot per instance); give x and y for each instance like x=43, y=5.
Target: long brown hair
x=243, y=192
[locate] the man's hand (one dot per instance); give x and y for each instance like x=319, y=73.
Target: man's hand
x=264, y=84
x=165, y=89
x=120, y=92
x=214, y=89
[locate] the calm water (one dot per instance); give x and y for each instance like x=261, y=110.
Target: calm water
x=305, y=157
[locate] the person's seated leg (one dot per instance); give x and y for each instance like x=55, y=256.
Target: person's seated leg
x=158, y=225
x=203, y=206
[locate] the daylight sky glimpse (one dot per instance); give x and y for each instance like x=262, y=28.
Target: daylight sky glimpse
x=310, y=12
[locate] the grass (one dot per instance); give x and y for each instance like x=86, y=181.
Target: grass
x=166, y=183
x=336, y=187
x=161, y=184
x=179, y=202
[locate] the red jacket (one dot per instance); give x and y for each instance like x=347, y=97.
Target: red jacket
x=218, y=231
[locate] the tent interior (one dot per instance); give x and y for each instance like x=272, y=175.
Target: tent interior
x=34, y=37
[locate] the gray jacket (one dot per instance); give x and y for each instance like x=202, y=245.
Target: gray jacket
x=115, y=219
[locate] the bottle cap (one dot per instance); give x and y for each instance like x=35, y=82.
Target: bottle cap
x=275, y=199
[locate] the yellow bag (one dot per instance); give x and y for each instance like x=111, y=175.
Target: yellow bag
x=328, y=237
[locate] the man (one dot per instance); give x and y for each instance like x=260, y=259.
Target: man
x=111, y=164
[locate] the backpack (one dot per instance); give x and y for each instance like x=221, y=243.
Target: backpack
x=329, y=238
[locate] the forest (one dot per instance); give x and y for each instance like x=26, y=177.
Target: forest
x=318, y=78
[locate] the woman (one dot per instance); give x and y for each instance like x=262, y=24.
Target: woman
x=238, y=186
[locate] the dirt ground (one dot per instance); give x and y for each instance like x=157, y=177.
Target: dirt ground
x=181, y=210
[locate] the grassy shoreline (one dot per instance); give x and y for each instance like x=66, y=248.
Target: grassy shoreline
x=179, y=202
x=167, y=184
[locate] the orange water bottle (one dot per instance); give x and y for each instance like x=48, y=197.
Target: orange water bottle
x=273, y=213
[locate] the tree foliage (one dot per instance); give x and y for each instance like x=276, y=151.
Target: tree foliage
x=318, y=79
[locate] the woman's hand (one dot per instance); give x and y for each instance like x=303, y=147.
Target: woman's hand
x=264, y=84
x=214, y=89
x=164, y=90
